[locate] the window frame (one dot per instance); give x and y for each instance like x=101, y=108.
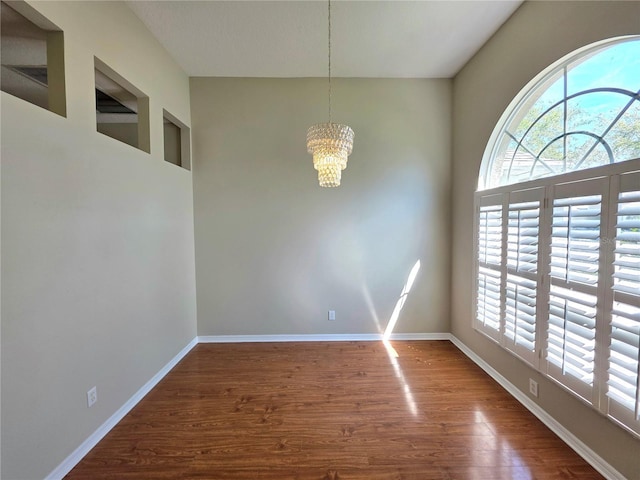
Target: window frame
x=184, y=140
x=107, y=79
x=55, y=86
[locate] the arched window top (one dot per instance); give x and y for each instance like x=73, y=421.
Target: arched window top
x=580, y=113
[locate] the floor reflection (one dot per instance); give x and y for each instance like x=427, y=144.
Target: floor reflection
x=397, y=369
x=494, y=451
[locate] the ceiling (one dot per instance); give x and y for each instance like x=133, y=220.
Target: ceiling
x=385, y=39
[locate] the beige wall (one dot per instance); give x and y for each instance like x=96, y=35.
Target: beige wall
x=538, y=34
x=274, y=251
x=98, y=278
x=125, y=132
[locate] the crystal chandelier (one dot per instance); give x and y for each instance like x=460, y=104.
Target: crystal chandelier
x=329, y=143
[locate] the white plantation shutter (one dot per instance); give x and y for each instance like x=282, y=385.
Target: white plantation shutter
x=489, y=278
x=558, y=282
x=623, y=387
x=573, y=284
x=523, y=232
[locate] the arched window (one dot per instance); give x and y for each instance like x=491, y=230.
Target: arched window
x=558, y=228
x=582, y=113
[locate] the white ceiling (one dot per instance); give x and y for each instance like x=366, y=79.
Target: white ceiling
x=393, y=38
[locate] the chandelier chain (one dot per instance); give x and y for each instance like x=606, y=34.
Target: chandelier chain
x=329, y=50
x=329, y=143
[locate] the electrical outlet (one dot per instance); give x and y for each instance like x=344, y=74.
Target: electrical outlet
x=92, y=396
x=332, y=314
x=533, y=387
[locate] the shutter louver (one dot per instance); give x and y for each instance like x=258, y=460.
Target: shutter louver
x=488, y=295
x=623, y=384
x=490, y=234
x=575, y=242
x=574, y=266
x=488, y=310
x=522, y=240
x=571, y=334
x=523, y=232
x=520, y=320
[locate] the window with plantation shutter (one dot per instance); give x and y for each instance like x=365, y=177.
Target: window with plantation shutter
x=573, y=284
x=623, y=387
x=558, y=228
x=488, y=304
x=523, y=231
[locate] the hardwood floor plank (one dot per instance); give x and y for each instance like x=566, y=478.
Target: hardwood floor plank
x=329, y=411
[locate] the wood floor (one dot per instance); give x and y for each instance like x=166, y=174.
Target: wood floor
x=328, y=411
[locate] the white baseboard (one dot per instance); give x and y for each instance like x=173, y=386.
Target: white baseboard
x=356, y=337
x=78, y=454
x=419, y=336
x=576, y=444
x=569, y=438
x=85, y=447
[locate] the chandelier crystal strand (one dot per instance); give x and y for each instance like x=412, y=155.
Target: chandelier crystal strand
x=329, y=143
